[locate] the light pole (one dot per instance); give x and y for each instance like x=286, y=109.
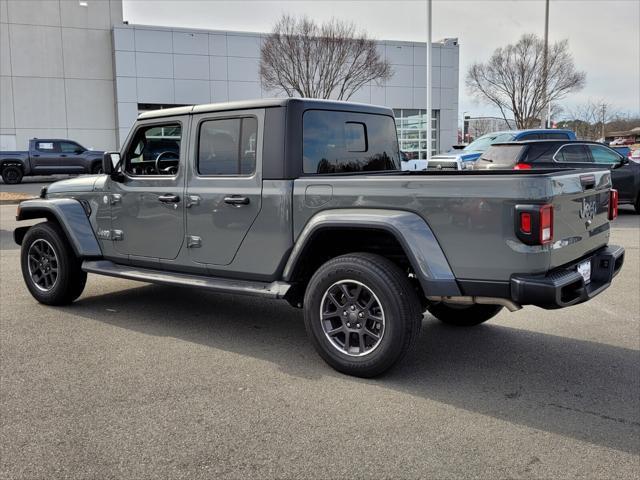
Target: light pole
x=545, y=67
x=428, y=85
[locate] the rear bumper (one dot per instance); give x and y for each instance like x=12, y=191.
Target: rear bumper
x=564, y=286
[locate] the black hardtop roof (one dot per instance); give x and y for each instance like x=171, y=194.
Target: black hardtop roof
x=305, y=103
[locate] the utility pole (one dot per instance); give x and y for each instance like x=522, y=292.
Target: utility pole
x=428, y=80
x=604, y=109
x=545, y=68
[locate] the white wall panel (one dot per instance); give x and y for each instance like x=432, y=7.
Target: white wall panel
x=125, y=64
x=147, y=40
x=39, y=102
x=399, y=97
x=192, y=91
x=244, y=69
x=5, y=57
x=87, y=53
x=155, y=90
x=217, y=44
x=243, y=45
x=219, y=91
x=244, y=90
x=90, y=103
x=126, y=89
x=218, y=68
x=127, y=114
x=399, y=54
x=191, y=43
x=95, y=15
x=192, y=67
x=154, y=65
x=6, y=103
x=34, y=12
x=36, y=51
x=402, y=76
x=123, y=39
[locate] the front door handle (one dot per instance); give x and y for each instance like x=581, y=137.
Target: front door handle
x=236, y=200
x=169, y=198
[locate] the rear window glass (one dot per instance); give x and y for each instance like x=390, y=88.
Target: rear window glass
x=341, y=142
x=500, y=157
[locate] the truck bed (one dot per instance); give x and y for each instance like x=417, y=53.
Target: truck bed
x=472, y=213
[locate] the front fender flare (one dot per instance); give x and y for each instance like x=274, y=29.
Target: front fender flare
x=71, y=217
x=418, y=241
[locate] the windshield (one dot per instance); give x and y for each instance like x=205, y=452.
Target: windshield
x=484, y=142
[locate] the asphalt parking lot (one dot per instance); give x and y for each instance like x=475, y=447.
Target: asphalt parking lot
x=141, y=381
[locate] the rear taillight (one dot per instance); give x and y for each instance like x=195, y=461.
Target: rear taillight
x=546, y=224
x=613, y=204
x=525, y=222
x=534, y=224
x=522, y=166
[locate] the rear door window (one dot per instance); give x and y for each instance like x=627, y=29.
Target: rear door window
x=227, y=147
x=46, y=147
x=602, y=154
x=573, y=154
x=342, y=142
x=500, y=157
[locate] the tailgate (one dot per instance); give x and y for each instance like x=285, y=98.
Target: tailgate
x=580, y=208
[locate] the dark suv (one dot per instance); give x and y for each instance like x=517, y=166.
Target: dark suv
x=552, y=154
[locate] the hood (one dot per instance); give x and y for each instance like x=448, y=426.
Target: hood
x=459, y=156
x=83, y=183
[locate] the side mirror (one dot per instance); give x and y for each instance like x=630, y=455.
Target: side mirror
x=110, y=162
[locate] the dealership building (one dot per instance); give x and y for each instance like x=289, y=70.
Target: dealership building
x=73, y=69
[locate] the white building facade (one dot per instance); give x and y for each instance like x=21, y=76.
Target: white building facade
x=74, y=70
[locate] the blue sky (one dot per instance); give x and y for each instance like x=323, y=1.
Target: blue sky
x=604, y=35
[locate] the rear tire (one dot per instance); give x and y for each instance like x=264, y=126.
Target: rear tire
x=637, y=205
x=463, y=315
x=361, y=314
x=50, y=269
x=12, y=175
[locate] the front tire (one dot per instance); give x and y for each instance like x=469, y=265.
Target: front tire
x=97, y=169
x=637, y=205
x=361, y=314
x=463, y=315
x=12, y=175
x=50, y=268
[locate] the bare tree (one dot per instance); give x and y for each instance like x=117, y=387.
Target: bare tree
x=332, y=60
x=589, y=118
x=513, y=79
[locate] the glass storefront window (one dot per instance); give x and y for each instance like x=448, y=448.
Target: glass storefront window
x=412, y=133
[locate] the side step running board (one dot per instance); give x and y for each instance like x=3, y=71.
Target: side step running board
x=261, y=289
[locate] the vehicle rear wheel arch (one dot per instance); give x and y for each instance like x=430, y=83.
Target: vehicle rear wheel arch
x=328, y=242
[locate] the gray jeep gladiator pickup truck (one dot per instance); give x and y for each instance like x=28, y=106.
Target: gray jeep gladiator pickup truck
x=49, y=156
x=305, y=200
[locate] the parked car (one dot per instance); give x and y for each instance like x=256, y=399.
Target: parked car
x=304, y=200
x=555, y=154
x=460, y=159
x=47, y=156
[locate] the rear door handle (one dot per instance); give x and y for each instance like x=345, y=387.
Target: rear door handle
x=236, y=200
x=169, y=198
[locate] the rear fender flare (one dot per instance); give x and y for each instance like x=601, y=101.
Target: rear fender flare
x=412, y=232
x=71, y=217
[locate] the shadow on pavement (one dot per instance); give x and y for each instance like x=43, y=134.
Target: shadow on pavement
x=581, y=389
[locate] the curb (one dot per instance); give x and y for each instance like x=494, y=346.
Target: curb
x=14, y=201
